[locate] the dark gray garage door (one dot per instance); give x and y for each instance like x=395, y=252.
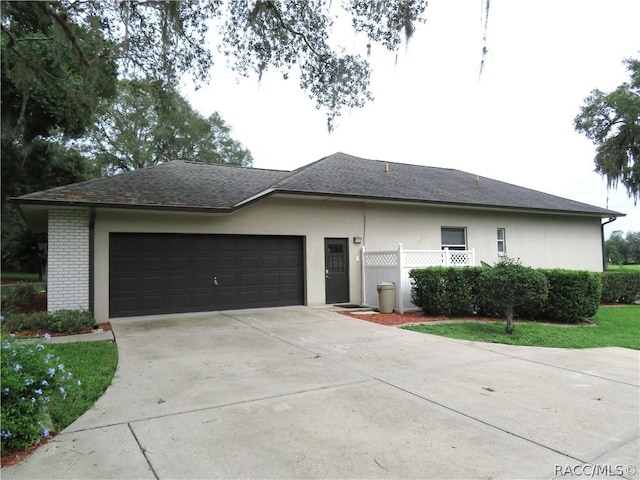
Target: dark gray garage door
x=176, y=273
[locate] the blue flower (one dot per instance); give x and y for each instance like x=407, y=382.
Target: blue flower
x=44, y=383
x=5, y=390
x=38, y=391
x=6, y=434
x=45, y=433
x=79, y=383
x=33, y=400
x=46, y=336
x=61, y=367
x=17, y=367
x=28, y=381
x=51, y=372
x=40, y=346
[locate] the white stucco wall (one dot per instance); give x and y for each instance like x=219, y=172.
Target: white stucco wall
x=539, y=240
x=68, y=259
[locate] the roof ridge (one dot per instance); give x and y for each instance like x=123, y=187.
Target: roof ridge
x=248, y=167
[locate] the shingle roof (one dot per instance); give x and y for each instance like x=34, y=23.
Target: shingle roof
x=189, y=185
x=174, y=184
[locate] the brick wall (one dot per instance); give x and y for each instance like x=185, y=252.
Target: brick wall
x=68, y=260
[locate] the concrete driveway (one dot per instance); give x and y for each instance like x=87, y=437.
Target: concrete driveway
x=308, y=393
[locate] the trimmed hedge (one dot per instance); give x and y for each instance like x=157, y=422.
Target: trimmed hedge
x=445, y=291
x=621, y=287
x=573, y=294
x=61, y=321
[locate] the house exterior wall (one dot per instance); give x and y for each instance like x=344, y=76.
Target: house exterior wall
x=539, y=240
x=68, y=259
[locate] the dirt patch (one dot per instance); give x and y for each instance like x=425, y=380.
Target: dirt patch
x=37, y=304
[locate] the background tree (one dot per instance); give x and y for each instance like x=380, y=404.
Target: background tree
x=623, y=249
x=612, y=122
x=150, y=123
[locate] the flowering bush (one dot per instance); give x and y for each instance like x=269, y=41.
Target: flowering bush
x=31, y=378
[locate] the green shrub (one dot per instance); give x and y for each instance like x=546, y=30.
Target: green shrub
x=445, y=291
x=19, y=296
x=573, y=295
x=621, y=286
x=31, y=377
x=60, y=321
x=509, y=284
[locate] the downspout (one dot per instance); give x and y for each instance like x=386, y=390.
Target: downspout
x=604, y=253
x=92, y=223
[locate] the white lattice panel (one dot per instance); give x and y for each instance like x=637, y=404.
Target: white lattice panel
x=459, y=259
x=423, y=259
x=381, y=259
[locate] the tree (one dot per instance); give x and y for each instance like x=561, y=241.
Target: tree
x=509, y=284
x=612, y=122
x=615, y=248
x=149, y=123
x=162, y=40
x=45, y=165
x=623, y=249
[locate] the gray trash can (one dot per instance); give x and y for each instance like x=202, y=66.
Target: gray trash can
x=386, y=297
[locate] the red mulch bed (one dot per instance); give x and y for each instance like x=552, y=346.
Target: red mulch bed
x=394, y=318
x=16, y=456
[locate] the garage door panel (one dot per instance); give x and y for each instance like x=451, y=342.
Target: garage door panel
x=225, y=263
x=128, y=283
x=248, y=279
x=123, y=264
x=153, y=282
x=177, y=263
x=206, y=263
x=152, y=263
x=152, y=243
x=201, y=299
x=178, y=300
x=248, y=261
x=270, y=278
x=171, y=273
x=177, y=281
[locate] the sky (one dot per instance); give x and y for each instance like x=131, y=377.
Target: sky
x=513, y=123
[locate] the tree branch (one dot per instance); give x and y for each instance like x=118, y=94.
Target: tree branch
x=61, y=21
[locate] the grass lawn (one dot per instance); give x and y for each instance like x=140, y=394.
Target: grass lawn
x=94, y=364
x=27, y=277
x=4, y=289
x=617, y=326
x=623, y=267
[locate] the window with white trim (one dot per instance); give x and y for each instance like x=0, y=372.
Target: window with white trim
x=502, y=241
x=453, y=238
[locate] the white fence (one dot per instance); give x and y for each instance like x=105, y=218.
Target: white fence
x=394, y=266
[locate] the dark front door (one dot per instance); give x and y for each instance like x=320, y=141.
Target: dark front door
x=336, y=264
x=156, y=273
